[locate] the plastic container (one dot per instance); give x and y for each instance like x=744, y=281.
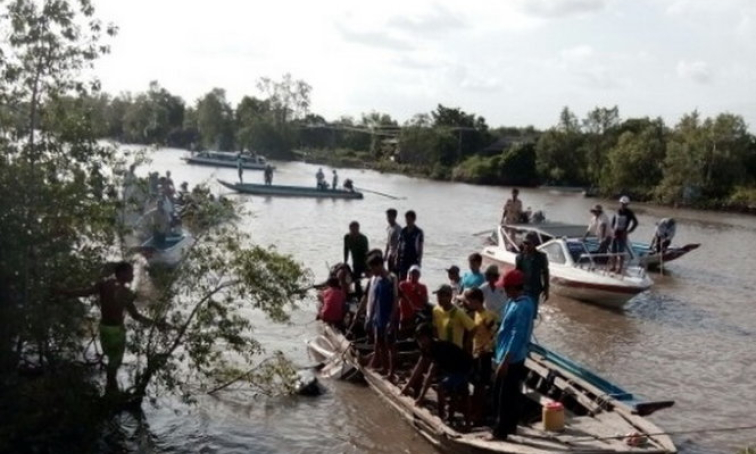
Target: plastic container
x=553, y=417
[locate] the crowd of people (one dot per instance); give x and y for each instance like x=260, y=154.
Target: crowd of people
x=476, y=334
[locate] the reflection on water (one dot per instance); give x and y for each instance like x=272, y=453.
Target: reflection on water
x=689, y=338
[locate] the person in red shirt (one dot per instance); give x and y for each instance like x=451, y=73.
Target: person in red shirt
x=413, y=301
x=333, y=303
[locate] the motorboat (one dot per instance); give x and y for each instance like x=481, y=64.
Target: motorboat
x=599, y=416
x=226, y=159
x=169, y=251
x=576, y=271
x=291, y=191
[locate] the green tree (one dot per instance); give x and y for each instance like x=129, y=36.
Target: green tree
x=599, y=136
x=215, y=120
x=634, y=164
x=705, y=159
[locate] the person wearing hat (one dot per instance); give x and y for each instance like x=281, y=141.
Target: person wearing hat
x=450, y=322
x=511, y=350
x=413, y=301
x=599, y=227
x=455, y=281
x=494, y=298
x=534, y=265
x=624, y=223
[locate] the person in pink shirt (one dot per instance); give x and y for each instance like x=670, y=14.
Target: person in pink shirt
x=333, y=303
x=413, y=300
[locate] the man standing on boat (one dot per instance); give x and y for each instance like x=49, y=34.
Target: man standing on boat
x=599, y=227
x=512, y=209
x=624, y=223
x=411, y=241
x=115, y=298
x=335, y=180
x=268, y=174
x=320, y=179
x=512, y=342
x=356, y=244
x=494, y=298
x=665, y=231
x=393, y=230
x=450, y=322
x=383, y=315
x=534, y=265
x=240, y=166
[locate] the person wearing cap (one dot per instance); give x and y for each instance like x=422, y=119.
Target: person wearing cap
x=382, y=315
x=451, y=364
x=665, y=231
x=473, y=278
x=511, y=350
x=413, y=301
x=624, y=223
x=534, y=265
x=494, y=298
x=486, y=324
x=599, y=227
x=356, y=245
x=393, y=230
x=451, y=322
x=512, y=213
x=411, y=240
x=455, y=281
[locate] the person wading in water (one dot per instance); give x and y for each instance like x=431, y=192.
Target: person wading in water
x=115, y=298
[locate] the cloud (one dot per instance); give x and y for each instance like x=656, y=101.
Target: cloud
x=697, y=71
x=560, y=8
x=577, y=53
x=438, y=20
x=370, y=38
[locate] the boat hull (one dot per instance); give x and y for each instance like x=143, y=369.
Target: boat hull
x=611, y=414
x=168, y=254
x=196, y=160
x=291, y=191
x=655, y=260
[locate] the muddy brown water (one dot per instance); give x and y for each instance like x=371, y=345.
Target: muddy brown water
x=690, y=338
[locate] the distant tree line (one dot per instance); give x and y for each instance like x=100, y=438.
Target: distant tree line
x=707, y=162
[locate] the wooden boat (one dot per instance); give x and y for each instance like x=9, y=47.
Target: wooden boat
x=653, y=260
x=575, y=271
x=226, y=159
x=600, y=417
x=291, y=191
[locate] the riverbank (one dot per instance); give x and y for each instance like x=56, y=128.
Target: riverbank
x=742, y=201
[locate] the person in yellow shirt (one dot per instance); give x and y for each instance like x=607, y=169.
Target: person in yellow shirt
x=449, y=321
x=486, y=325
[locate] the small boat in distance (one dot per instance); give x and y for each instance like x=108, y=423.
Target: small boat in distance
x=226, y=159
x=575, y=271
x=291, y=191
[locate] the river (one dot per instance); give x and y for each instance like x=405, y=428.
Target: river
x=690, y=338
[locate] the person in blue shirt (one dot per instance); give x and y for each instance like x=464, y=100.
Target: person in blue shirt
x=512, y=343
x=473, y=278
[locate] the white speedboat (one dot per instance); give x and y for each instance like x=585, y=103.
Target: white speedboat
x=169, y=251
x=575, y=271
x=226, y=159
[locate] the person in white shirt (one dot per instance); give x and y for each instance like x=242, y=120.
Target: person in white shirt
x=393, y=230
x=512, y=209
x=665, y=231
x=599, y=227
x=494, y=298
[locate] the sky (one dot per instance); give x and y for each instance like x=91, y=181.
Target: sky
x=515, y=62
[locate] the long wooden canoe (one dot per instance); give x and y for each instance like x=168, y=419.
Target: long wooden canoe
x=599, y=416
x=291, y=191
